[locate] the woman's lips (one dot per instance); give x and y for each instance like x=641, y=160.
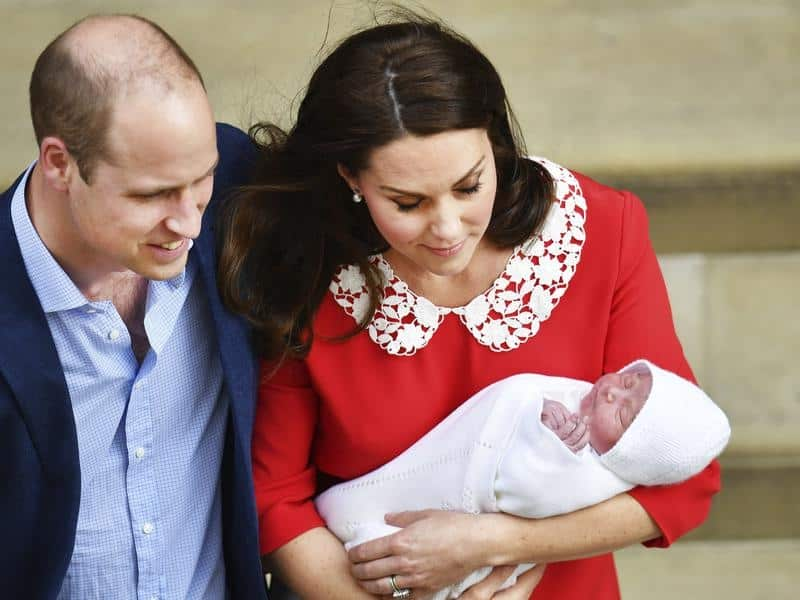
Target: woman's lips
x=448, y=251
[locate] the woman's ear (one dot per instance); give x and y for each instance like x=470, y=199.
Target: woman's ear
x=349, y=178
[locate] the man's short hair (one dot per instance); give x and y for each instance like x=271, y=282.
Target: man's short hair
x=72, y=92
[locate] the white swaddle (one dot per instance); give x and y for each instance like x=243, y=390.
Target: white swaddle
x=493, y=454
x=454, y=465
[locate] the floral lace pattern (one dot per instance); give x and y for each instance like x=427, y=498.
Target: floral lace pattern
x=503, y=317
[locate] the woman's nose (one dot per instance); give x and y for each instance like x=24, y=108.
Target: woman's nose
x=446, y=224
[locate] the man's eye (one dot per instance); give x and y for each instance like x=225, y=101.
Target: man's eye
x=151, y=195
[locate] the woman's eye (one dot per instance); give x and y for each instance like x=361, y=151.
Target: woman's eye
x=471, y=190
x=407, y=207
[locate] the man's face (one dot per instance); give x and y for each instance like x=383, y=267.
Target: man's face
x=146, y=199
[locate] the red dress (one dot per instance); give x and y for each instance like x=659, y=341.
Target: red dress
x=351, y=406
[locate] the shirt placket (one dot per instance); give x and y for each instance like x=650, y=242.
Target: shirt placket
x=142, y=491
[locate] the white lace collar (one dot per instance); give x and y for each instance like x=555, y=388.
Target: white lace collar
x=506, y=315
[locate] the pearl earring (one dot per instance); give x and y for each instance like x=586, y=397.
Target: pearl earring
x=357, y=197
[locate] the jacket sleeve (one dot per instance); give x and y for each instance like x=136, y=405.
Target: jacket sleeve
x=640, y=325
x=283, y=473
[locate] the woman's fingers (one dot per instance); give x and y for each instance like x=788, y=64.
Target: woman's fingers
x=486, y=588
x=380, y=568
x=434, y=550
x=383, y=586
x=524, y=587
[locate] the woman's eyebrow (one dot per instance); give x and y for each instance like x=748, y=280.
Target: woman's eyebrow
x=469, y=173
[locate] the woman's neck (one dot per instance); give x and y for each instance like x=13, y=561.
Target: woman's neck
x=484, y=268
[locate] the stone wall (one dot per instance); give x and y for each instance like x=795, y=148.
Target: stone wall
x=619, y=85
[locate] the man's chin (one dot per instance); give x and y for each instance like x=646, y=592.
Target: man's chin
x=161, y=272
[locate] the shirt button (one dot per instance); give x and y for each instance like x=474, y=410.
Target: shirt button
x=139, y=384
x=113, y=334
x=147, y=528
x=139, y=453
x=91, y=311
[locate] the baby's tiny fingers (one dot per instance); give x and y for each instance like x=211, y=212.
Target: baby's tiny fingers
x=566, y=430
x=581, y=443
x=576, y=434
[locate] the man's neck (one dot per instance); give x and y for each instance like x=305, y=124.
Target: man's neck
x=47, y=209
x=126, y=290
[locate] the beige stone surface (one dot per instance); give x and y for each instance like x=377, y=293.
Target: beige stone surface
x=685, y=275
x=753, y=337
x=736, y=315
x=602, y=85
x=747, y=570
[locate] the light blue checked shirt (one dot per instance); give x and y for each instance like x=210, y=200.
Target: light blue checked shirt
x=150, y=436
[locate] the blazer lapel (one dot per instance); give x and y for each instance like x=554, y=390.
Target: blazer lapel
x=29, y=362
x=234, y=345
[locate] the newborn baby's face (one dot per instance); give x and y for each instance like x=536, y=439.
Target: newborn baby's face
x=612, y=404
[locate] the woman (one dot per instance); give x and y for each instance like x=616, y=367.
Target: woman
x=399, y=253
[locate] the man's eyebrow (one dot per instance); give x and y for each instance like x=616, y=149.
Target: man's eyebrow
x=461, y=181
x=158, y=190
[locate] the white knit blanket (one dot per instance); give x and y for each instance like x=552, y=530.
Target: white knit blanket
x=492, y=454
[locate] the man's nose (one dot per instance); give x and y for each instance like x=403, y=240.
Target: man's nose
x=187, y=214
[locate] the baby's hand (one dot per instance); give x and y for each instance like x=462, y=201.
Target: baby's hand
x=570, y=428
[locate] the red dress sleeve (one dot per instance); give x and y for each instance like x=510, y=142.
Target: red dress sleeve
x=284, y=477
x=640, y=325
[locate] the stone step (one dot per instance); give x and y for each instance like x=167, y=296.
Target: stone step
x=759, y=499
x=733, y=570
x=712, y=211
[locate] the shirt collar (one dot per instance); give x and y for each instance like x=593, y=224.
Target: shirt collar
x=56, y=291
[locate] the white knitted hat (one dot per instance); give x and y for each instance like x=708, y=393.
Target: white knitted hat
x=678, y=431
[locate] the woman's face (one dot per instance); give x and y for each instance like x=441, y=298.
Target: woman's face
x=431, y=198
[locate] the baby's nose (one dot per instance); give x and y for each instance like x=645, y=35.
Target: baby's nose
x=615, y=391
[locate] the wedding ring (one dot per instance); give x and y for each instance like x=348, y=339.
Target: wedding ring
x=398, y=592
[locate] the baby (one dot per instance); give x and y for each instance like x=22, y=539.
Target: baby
x=605, y=413
x=537, y=446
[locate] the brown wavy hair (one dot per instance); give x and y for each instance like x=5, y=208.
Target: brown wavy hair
x=287, y=233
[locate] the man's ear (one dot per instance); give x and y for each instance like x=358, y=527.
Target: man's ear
x=56, y=163
x=349, y=178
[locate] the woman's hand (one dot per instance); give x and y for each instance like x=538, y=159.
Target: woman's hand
x=524, y=586
x=485, y=589
x=435, y=549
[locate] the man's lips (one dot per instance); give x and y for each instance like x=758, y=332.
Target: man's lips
x=171, y=245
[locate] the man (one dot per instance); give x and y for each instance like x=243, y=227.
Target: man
x=126, y=390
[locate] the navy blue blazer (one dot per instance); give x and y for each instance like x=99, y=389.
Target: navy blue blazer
x=39, y=468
